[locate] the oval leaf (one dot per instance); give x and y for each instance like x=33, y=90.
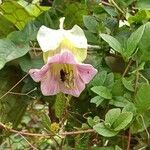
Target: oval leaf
x=104, y=131
x=10, y=51
x=122, y=121
x=113, y=42
x=102, y=91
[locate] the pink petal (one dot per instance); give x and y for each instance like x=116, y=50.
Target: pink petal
x=64, y=58
x=38, y=74
x=49, y=85
x=86, y=72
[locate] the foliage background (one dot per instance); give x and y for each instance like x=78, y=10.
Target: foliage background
x=113, y=111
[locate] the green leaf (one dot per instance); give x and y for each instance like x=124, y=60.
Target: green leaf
x=20, y=12
x=104, y=131
x=122, y=121
x=118, y=148
x=143, y=4
x=81, y=142
x=110, y=10
x=128, y=84
x=74, y=13
x=139, y=68
x=111, y=23
x=111, y=116
x=46, y=122
x=90, y=121
x=27, y=63
x=28, y=34
x=134, y=40
x=137, y=125
x=144, y=44
x=12, y=107
x=93, y=121
x=10, y=51
x=118, y=88
x=119, y=101
x=97, y=100
x=109, y=80
x=5, y=27
x=113, y=42
x=102, y=91
x=100, y=78
x=141, y=122
x=138, y=17
x=91, y=23
x=17, y=37
x=143, y=98
x=91, y=37
x=124, y=3
x=130, y=107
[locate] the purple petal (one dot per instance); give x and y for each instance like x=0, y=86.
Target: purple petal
x=38, y=74
x=49, y=85
x=86, y=72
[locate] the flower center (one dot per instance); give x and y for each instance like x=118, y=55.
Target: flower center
x=66, y=74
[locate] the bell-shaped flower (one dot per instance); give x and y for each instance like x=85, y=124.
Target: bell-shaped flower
x=63, y=73
x=55, y=41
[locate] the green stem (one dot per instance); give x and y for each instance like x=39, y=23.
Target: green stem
x=115, y=4
x=144, y=78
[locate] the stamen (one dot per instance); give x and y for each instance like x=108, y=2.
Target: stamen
x=67, y=75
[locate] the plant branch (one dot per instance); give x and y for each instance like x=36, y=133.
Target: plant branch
x=129, y=140
x=2, y=126
x=127, y=68
x=93, y=47
x=34, y=148
x=119, y=9
x=77, y=132
x=24, y=94
x=148, y=135
x=14, y=86
x=107, y=4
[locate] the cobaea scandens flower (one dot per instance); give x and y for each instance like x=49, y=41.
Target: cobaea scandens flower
x=63, y=73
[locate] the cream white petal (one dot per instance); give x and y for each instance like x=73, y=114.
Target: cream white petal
x=77, y=37
x=49, y=39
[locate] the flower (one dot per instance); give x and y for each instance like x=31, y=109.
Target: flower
x=63, y=73
x=55, y=41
